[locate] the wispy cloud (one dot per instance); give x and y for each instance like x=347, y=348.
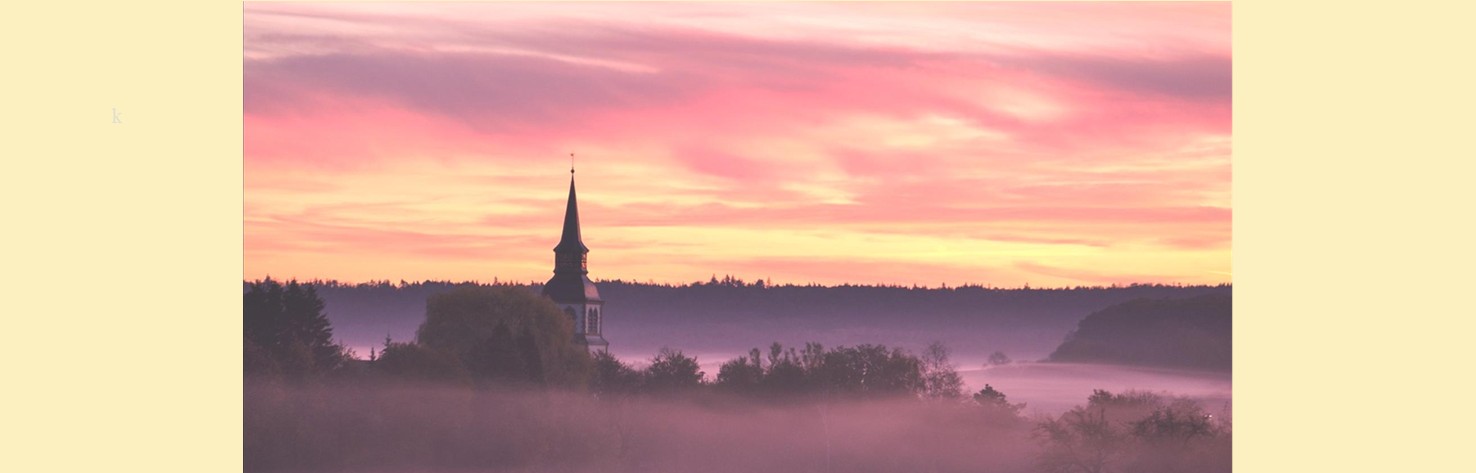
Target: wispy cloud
x=429, y=140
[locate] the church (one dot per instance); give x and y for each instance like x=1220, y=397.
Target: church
x=571, y=287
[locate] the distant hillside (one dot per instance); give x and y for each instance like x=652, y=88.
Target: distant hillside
x=727, y=317
x=1180, y=333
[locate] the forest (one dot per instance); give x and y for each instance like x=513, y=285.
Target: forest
x=1187, y=333
x=492, y=382
x=727, y=315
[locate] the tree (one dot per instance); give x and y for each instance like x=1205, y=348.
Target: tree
x=287, y=332
x=994, y=402
x=1178, y=423
x=671, y=370
x=528, y=352
x=258, y=361
x=1179, y=436
x=1125, y=407
x=999, y=358
x=496, y=359
x=459, y=321
x=789, y=373
x=741, y=375
x=1081, y=440
x=1133, y=431
x=871, y=371
x=940, y=380
x=612, y=376
x=412, y=362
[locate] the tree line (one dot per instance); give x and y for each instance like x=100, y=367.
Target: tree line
x=502, y=336
x=729, y=280
x=507, y=338
x=287, y=334
x=647, y=316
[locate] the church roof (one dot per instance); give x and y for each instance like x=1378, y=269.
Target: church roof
x=571, y=242
x=571, y=288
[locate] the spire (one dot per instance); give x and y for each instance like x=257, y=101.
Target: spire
x=570, y=286
x=571, y=241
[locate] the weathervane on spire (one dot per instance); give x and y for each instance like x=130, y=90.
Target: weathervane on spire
x=571, y=163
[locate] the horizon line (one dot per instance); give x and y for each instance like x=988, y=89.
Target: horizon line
x=731, y=281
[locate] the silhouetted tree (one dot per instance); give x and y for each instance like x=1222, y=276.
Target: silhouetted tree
x=940, y=380
x=528, y=352
x=671, y=370
x=741, y=375
x=612, y=376
x=1133, y=431
x=866, y=371
x=258, y=361
x=1130, y=404
x=995, y=404
x=787, y=374
x=1081, y=440
x=496, y=359
x=1179, y=436
x=286, y=331
x=464, y=318
x=412, y=362
x=871, y=371
x=1177, y=423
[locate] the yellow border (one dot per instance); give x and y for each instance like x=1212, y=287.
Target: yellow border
x=122, y=246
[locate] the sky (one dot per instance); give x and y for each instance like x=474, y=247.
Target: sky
x=1048, y=144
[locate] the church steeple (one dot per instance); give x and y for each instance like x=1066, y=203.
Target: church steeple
x=570, y=255
x=571, y=240
x=570, y=286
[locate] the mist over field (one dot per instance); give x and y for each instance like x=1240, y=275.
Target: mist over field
x=1051, y=388
x=451, y=430
x=401, y=429
x=492, y=381
x=716, y=322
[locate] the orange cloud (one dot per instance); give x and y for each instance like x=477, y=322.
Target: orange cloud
x=1043, y=143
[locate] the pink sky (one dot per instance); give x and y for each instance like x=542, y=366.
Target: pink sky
x=920, y=143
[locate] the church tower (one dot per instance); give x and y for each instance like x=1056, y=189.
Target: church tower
x=571, y=287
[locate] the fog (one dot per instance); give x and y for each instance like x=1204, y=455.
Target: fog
x=447, y=429
x=1047, y=388
x=1050, y=388
x=371, y=422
